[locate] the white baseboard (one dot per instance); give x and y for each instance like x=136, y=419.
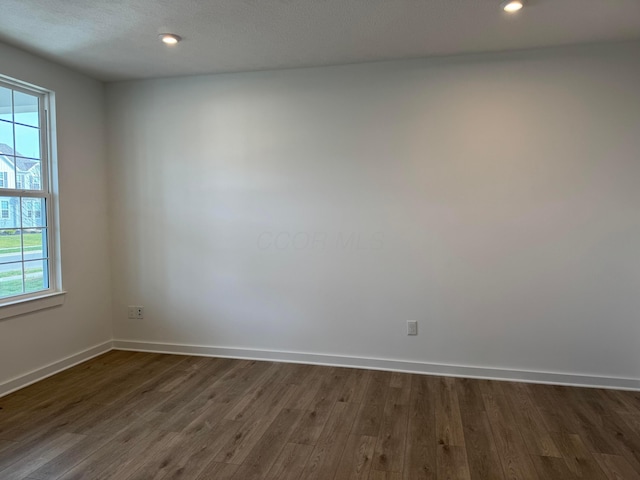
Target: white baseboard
x=321, y=359
x=55, y=367
x=385, y=364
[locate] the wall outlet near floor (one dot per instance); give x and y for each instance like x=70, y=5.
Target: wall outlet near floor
x=412, y=327
x=136, y=312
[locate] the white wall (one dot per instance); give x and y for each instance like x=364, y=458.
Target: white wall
x=495, y=198
x=33, y=341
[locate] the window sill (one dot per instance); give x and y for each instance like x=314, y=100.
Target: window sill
x=28, y=305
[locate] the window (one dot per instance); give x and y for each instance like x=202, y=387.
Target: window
x=28, y=267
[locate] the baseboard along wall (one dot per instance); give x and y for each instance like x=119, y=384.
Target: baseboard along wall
x=552, y=378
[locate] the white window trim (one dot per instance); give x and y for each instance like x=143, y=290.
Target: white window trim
x=28, y=305
x=54, y=295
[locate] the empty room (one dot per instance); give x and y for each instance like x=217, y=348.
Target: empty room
x=320, y=239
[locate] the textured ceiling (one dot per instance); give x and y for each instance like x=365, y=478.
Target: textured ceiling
x=117, y=39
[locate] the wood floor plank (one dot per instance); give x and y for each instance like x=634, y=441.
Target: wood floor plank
x=294, y=373
x=448, y=420
x=357, y=457
x=589, y=425
x=265, y=452
x=580, y=461
x=452, y=463
x=157, y=459
x=553, y=411
x=197, y=450
x=290, y=463
x=420, y=460
x=369, y=419
x=529, y=421
x=309, y=387
x=26, y=465
x=135, y=416
x=552, y=468
x=216, y=392
x=314, y=419
x=74, y=455
x=327, y=453
x=612, y=400
x=380, y=475
x=377, y=388
x=400, y=380
x=6, y=443
x=218, y=471
x=52, y=390
x=625, y=439
x=633, y=420
x=490, y=387
x=616, y=467
x=469, y=395
x=390, y=446
x=515, y=460
x=116, y=457
x=482, y=453
x=355, y=386
x=252, y=400
x=196, y=382
x=238, y=447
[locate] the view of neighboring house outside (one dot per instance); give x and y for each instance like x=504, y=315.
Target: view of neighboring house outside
x=20, y=174
x=23, y=233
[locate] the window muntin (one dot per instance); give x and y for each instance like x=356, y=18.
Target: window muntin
x=26, y=262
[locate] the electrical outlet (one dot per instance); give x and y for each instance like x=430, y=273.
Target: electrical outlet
x=135, y=312
x=412, y=328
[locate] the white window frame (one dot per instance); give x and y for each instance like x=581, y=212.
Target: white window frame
x=54, y=295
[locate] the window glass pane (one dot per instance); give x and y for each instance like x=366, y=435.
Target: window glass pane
x=10, y=245
x=34, y=176
x=5, y=104
x=27, y=141
x=9, y=212
x=28, y=176
x=34, y=242
x=6, y=138
x=33, y=213
x=11, y=278
x=25, y=109
x=36, y=275
x=24, y=262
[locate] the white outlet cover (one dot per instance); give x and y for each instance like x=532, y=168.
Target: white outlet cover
x=412, y=328
x=135, y=312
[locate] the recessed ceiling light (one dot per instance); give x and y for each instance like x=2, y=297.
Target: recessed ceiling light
x=512, y=6
x=169, y=38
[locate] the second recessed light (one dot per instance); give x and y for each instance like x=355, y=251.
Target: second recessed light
x=169, y=38
x=512, y=6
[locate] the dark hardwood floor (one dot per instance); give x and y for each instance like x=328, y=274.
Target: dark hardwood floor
x=127, y=415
